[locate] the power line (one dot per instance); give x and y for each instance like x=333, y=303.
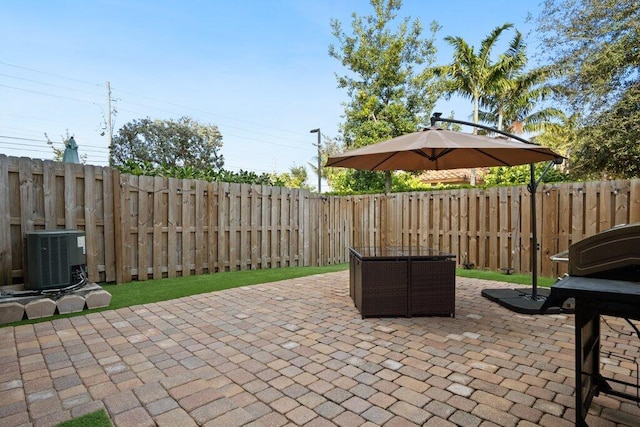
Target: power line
x=22, y=139
x=48, y=84
x=300, y=145
x=21, y=130
x=134, y=103
x=40, y=119
x=214, y=114
x=139, y=104
x=12, y=145
x=47, y=94
x=263, y=141
x=49, y=74
x=297, y=147
x=84, y=144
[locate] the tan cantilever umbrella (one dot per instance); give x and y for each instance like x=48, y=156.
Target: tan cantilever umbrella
x=434, y=148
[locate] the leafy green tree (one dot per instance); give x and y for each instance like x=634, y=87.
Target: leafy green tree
x=295, y=178
x=206, y=174
x=595, y=45
x=57, y=152
x=390, y=84
x=334, y=176
x=520, y=175
x=357, y=181
x=182, y=142
x=610, y=147
x=363, y=181
x=562, y=137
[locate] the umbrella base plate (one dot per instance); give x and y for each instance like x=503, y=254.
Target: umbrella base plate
x=521, y=301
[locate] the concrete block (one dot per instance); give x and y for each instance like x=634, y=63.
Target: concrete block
x=43, y=307
x=70, y=304
x=95, y=299
x=11, y=312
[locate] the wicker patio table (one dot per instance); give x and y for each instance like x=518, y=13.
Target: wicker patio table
x=396, y=281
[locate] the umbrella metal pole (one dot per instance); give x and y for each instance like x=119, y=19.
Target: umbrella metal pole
x=533, y=186
x=436, y=118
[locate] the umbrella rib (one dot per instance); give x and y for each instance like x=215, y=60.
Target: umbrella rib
x=433, y=157
x=382, y=161
x=497, y=159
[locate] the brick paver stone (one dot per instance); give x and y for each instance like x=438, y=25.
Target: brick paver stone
x=134, y=417
x=297, y=352
x=174, y=418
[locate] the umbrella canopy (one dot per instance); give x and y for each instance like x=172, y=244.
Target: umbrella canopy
x=434, y=148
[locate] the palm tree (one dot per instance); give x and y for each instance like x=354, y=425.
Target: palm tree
x=513, y=107
x=475, y=75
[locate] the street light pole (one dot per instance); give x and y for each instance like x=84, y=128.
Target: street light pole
x=317, y=130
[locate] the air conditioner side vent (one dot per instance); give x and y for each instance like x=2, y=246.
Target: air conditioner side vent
x=52, y=257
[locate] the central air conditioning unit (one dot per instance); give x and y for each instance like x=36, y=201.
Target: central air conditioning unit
x=55, y=259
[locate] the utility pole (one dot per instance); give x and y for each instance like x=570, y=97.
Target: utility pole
x=317, y=130
x=109, y=128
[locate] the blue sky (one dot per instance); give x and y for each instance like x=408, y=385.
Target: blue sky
x=259, y=70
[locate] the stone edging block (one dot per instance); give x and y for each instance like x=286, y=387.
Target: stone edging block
x=43, y=307
x=95, y=299
x=11, y=312
x=70, y=304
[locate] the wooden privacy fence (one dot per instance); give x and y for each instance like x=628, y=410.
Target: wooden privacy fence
x=139, y=228
x=489, y=228
x=39, y=194
x=178, y=227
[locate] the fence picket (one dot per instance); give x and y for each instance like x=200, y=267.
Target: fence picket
x=186, y=193
x=6, y=250
x=591, y=207
x=548, y=230
x=634, y=201
x=233, y=225
x=109, y=232
x=143, y=226
x=173, y=220
x=90, y=226
x=212, y=227
x=564, y=217
x=245, y=222
x=199, y=217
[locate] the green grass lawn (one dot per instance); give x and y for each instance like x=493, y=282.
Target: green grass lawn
x=136, y=293
x=519, y=279
x=93, y=419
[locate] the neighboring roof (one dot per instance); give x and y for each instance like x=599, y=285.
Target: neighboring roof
x=452, y=176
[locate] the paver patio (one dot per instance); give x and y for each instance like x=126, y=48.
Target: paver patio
x=297, y=352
